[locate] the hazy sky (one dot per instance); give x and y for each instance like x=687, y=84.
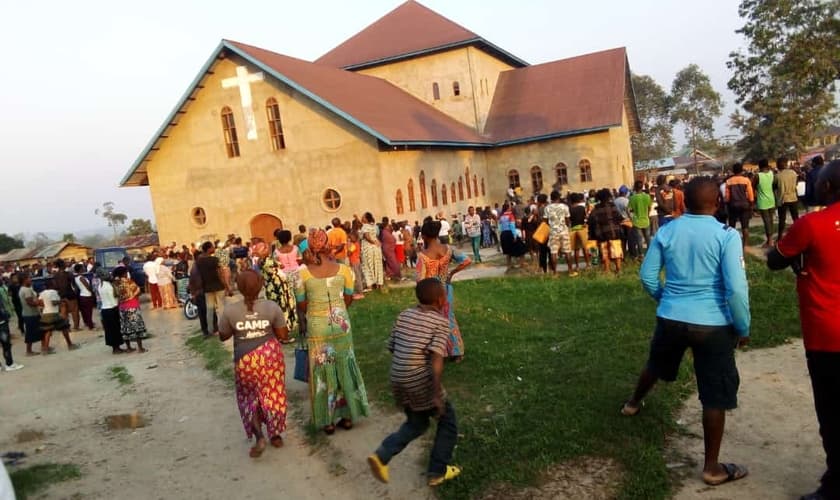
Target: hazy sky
x=85, y=84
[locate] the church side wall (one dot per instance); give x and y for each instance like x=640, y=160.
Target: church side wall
x=598, y=148
x=465, y=65
x=485, y=71
x=438, y=167
x=192, y=168
x=622, y=150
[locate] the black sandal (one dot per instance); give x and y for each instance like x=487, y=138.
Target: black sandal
x=734, y=472
x=345, y=423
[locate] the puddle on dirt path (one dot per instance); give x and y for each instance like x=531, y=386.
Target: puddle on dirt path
x=28, y=435
x=125, y=421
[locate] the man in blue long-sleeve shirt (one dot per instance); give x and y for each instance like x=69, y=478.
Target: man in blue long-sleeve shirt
x=704, y=305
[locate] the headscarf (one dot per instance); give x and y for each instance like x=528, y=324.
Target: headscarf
x=249, y=283
x=318, y=241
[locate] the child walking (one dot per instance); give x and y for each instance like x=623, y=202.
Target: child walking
x=419, y=346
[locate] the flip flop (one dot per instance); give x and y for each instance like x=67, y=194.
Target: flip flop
x=630, y=411
x=277, y=442
x=734, y=472
x=345, y=424
x=256, y=451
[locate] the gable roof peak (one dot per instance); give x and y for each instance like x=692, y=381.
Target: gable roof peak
x=409, y=30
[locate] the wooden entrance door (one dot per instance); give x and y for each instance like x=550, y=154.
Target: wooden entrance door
x=264, y=225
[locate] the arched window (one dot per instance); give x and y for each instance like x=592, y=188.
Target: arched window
x=562, y=174
x=443, y=198
x=229, y=128
x=399, y=201
x=536, y=179
x=460, y=189
x=585, y=170
x=275, y=126
x=452, y=192
x=513, y=178
x=434, y=193
x=423, y=201
x=467, y=177
x=456, y=88
x=482, y=187
x=475, y=185
x=411, y=206
x=436, y=91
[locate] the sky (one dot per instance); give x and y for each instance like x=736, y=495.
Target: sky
x=85, y=84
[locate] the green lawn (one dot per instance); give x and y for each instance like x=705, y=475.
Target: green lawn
x=34, y=479
x=549, y=361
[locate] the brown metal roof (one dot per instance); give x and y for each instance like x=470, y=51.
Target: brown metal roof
x=569, y=96
x=410, y=29
x=373, y=104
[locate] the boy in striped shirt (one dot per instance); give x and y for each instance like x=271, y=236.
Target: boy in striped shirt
x=419, y=345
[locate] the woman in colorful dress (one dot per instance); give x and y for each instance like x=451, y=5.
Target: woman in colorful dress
x=433, y=262
x=324, y=292
x=389, y=250
x=132, y=327
x=279, y=270
x=166, y=285
x=258, y=327
x=371, y=253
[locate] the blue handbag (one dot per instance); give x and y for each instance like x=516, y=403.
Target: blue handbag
x=302, y=360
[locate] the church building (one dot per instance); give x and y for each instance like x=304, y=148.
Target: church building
x=412, y=116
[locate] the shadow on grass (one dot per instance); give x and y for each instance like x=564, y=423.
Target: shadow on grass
x=35, y=479
x=548, y=363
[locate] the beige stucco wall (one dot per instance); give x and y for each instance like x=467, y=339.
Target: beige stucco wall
x=466, y=65
x=606, y=152
x=192, y=168
x=438, y=167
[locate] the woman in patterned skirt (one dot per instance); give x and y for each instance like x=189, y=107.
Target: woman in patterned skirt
x=433, y=262
x=280, y=288
x=324, y=292
x=132, y=327
x=372, y=268
x=257, y=327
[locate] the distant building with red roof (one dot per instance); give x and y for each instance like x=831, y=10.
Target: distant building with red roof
x=411, y=116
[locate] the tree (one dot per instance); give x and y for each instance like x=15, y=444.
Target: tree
x=8, y=243
x=656, y=137
x=94, y=241
x=39, y=240
x=139, y=227
x=785, y=78
x=695, y=104
x=69, y=237
x=114, y=219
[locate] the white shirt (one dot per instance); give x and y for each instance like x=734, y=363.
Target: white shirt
x=399, y=237
x=107, y=296
x=444, y=229
x=472, y=225
x=151, y=270
x=83, y=291
x=51, y=301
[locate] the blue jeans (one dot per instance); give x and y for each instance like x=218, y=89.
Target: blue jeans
x=476, y=246
x=416, y=424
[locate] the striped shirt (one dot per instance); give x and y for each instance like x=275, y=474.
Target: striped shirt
x=417, y=334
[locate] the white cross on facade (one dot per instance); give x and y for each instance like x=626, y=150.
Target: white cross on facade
x=243, y=81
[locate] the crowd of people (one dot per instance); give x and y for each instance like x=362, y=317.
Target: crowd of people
x=303, y=284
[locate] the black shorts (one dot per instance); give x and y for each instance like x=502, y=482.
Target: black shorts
x=742, y=215
x=714, y=359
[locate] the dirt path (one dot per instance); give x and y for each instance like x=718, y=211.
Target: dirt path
x=193, y=445
x=773, y=432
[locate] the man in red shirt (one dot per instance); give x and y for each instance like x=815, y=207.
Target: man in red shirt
x=811, y=248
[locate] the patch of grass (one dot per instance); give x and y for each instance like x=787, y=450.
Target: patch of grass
x=548, y=363
x=35, y=479
x=121, y=375
x=217, y=359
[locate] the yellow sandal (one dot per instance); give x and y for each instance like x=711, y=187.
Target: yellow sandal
x=452, y=471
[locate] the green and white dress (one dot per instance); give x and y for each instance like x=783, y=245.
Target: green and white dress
x=336, y=388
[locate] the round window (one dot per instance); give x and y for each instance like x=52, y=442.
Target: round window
x=331, y=200
x=199, y=218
